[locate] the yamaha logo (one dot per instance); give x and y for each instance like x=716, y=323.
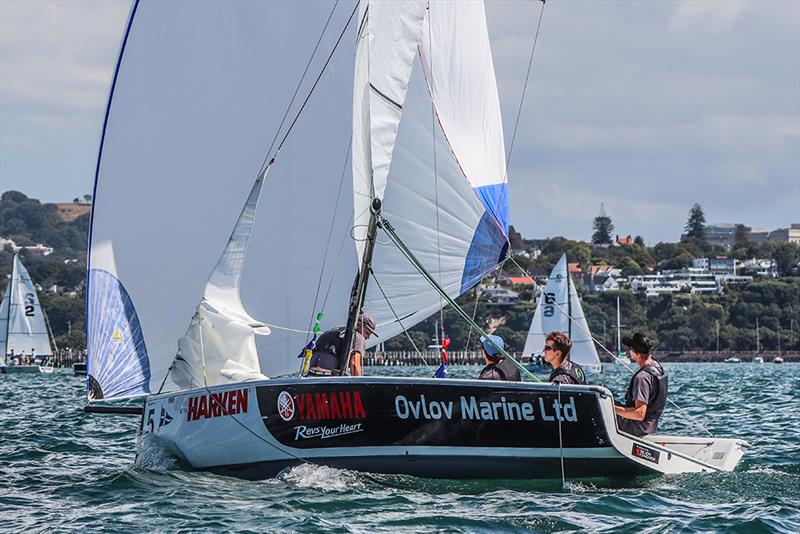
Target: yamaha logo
x=285, y=406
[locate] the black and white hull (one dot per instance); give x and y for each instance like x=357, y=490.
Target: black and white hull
x=424, y=427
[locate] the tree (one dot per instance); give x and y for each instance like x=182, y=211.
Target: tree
x=741, y=236
x=696, y=225
x=639, y=241
x=603, y=228
x=76, y=200
x=87, y=199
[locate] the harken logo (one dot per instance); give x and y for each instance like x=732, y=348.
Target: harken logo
x=285, y=406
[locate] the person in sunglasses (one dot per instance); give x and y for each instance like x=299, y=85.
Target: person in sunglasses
x=556, y=353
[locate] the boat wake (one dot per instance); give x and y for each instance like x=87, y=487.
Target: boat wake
x=321, y=477
x=151, y=455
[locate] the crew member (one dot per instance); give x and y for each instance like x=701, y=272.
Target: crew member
x=647, y=391
x=556, y=353
x=497, y=367
x=328, y=355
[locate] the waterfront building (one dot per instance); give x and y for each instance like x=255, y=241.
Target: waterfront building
x=786, y=235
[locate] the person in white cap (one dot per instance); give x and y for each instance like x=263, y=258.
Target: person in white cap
x=498, y=367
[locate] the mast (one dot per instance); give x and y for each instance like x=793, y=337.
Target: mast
x=758, y=338
x=360, y=283
x=619, y=330
x=569, y=304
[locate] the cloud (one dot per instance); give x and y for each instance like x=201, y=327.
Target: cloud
x=646, y=106
x=57, y=58
x=712, y=16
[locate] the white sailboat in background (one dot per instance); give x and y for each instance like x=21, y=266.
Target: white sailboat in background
x=24, y=335
x=559, y=310
x=200, y=87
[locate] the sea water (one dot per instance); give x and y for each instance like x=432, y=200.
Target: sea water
x=62, y=470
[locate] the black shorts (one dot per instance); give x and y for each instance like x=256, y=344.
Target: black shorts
x=324, y=360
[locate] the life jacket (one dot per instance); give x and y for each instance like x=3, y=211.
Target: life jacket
x=658, y=397
x=505, y=368
x=570, y=369
x=330, y=341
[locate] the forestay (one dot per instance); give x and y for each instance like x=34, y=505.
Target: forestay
x=199, y=92
x=23, y=329
x=559, y=310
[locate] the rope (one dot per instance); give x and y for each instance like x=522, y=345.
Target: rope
x=390, y=231
x=620, y=360
x=422, y=357
x=524, y=88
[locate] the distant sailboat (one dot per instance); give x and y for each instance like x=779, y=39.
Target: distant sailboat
x=24, y=336
x=559, y=310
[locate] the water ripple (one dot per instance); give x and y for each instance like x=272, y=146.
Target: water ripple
x=63, y=470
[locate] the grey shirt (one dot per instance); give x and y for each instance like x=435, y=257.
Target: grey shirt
x=643, y=388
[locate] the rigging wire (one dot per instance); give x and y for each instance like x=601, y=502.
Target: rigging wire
x=397, y=318
x=617, y=358
x=299, y=84
x=435, y=176
x=316, y=82
x=524, y=88
x=474, y=313
x=390, y=231
x=330, y=234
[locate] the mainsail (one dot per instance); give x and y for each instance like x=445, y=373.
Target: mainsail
x=559, y=310
x=173, y=174
x=23, y=329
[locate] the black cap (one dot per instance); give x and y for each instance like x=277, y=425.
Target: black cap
x=638, y=343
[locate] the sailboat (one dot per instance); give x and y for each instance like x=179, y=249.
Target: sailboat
x=559, y=310
x=396, y=129
x=24, y=335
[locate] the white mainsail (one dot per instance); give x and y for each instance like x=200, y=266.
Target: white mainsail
x=172, y=176
x=23, y=329
x=559, y=310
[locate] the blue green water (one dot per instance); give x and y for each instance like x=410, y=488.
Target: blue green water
x=62, y=470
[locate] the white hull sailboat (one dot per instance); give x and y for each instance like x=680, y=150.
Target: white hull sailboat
x=189, y=114
x=24, y=335
x=559, y=310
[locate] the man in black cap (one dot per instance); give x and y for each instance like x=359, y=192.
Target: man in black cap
x=647, y=391
x=328, y=354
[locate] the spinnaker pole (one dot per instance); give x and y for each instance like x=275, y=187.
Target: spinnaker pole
x=360, y=283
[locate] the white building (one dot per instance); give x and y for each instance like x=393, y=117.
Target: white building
x=686, y=281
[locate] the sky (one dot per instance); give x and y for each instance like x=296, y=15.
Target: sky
x=645, y=107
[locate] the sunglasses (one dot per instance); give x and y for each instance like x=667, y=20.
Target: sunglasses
x=549, y=347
